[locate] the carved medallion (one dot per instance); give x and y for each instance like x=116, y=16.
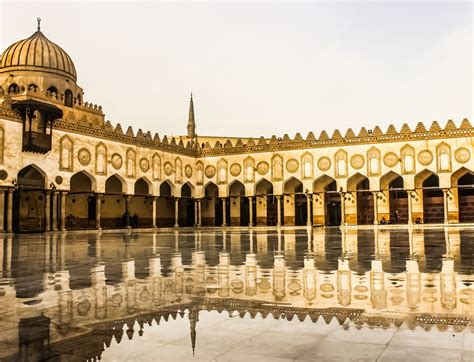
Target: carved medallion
x=324, y=163
x=188, y=171
x=462, y=155
x=292, y=165
x=116, y=161
x=84, y=156
x=3, y=175
x=263, y=167
x=235, y=169
x=390, y=159
x=357, y=161
x=425, y=157
x=210, y=171
x=144, y=165
x=59, y=180
x=168, y=168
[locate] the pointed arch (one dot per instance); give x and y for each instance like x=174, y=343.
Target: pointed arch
x=199, y=173
x=82, y=181
x=292, y=185
x=407, y=156
x=210, y=190
x=167, y=189
x=249, y=169
x=66, y=151
x=178, y=174
x=443, y=157
x=422, y=176
x=458, y=174
x=307, y=166
x=373, y=162
x=222, y=171
x=277, y=168
x=387, y=179
x=156, y=167
x=340, y=164
x=131, y=163
x=358, y=182
x=143, y=187
x=101, y=159
x=236, y=188
x=188, y=190
x=263, y=187
x=32, y=175
x=115, y=184
x=322, y=182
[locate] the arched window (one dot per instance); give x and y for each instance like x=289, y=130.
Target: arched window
x=53, y=90
x=68, y=98
x=33, y=87
x=13, y=88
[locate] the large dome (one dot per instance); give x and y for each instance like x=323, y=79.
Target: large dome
x=37, y=53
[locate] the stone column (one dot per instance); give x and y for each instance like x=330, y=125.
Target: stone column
x=176, y=212
x=278, y=197
x=199, y=222
x=250, y=211
x=195, y=212
x=128, y=199
x=98, y=203
x=63, y=211
x=445, y=202
x=224, y=212
x=153, y=205
x=343, y=208
x=10, y=211
x=410, y=217
x=2, y=210
x=47, y=210
x=55, y=211
x=376, y=208
x=308, y=210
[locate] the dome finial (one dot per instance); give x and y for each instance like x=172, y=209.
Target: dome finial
x=39, y=23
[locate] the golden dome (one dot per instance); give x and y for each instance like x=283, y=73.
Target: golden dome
x=37, y=53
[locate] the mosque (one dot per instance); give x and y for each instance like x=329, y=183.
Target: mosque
x=64, y=167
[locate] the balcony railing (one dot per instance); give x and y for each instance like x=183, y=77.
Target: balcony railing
x=36, y=142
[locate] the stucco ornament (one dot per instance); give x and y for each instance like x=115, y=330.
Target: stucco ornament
x=390, y=159
x=84, y=156
x=144, y=165
x=292, y=165
x=263, y=167
x=425, y=157
x=324, y=163
x=462, y=155
x=117, y=161
x=357, y=162
x=210, y=171
x=188, y=171
x=235, y=169
x=168, y=168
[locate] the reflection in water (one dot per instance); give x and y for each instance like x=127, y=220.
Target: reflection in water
x=75, y=294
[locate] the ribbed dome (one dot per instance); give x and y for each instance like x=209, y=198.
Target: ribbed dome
x=37, y=53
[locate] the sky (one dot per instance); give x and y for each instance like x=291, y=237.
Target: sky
x=258, y=69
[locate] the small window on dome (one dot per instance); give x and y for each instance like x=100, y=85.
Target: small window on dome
x=13, y=88
x=68, y=98
x=53, y=90
x=33, y=87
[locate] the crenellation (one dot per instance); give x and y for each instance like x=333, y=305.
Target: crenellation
x=336, y=135
x=129, y=132
x=435, y=127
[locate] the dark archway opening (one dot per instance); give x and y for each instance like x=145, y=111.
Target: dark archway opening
x=165, y=206
x=398, y=201
x=332, y=205
x=466, y=197
x=365, y=203
x=186, y=206
x=433, y=201
x=80, y=203
x=237, y=204
x=28, y=214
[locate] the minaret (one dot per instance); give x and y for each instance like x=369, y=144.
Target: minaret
x=191, y=122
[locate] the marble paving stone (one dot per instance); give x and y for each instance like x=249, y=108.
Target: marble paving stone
x=170, y=352
x=126, y=351
x=431, y=339
x=404, y=354
x=468, y=356
x=365, y=335
x=237, y=357
x=342, y=351
x=468, y=341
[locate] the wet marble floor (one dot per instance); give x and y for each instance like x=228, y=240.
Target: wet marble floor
x=232, y=295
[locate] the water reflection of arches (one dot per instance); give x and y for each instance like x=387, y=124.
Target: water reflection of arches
x=327, y=202
x=237, y=205
x=432, y=196
x=266, y=206
x=31, y=202
x=294, y=203
x=81, y=202
x=462, y=183
x=359, y=185
x=211, y=207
